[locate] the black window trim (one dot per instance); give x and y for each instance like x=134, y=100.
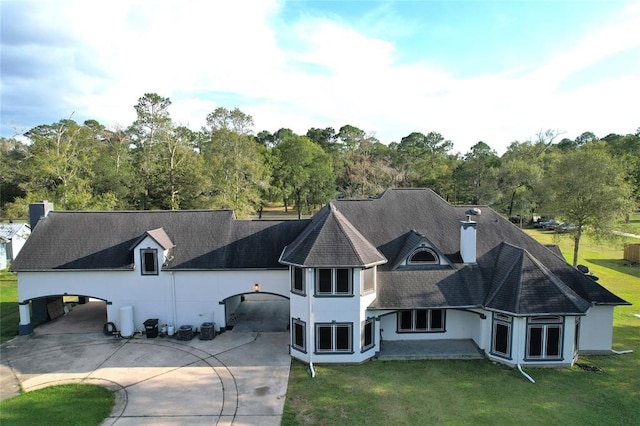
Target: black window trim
x=333, y=293
x=414, y=314
x=372, y=321
x=545, y=323
x=334, y=326
x=294, y=322
x=302, y=292
x=507, y=321
x=143, y=263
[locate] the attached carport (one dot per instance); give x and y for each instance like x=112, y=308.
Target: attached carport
x=55, y=314
x=88, y=317
x=258, y=312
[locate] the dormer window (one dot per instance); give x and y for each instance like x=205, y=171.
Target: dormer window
x=423, y=256
x=149, y=260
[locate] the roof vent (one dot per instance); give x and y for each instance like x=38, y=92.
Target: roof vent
x=473, y=212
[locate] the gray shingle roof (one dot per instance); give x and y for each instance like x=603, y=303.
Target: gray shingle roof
x=203, y=240
x=523, y=286
x=331, y=241
x=513, y=273
x=159, y=236
x=385, y=222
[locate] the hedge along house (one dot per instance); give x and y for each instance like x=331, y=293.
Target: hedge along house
x=406, y=266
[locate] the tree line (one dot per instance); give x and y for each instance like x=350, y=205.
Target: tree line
x=157, y=164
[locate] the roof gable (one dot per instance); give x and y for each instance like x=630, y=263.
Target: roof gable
x=157, y=235
x=413, y=241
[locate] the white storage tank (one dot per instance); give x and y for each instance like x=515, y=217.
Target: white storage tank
x=126, y=321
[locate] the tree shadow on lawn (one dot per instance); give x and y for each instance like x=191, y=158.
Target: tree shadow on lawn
x=619, y=265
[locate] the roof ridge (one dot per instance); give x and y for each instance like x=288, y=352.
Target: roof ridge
x=571, y=294
x=343, y=221
x=498, y=286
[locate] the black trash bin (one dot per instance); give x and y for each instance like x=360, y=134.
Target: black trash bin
x=151, y=328
x=207, y=331
x=185, y=332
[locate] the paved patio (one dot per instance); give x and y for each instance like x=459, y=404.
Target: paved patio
x=429, y=349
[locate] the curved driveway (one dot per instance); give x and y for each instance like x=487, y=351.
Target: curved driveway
x=237, y=378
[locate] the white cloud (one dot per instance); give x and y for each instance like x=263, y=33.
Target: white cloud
x=313, y=72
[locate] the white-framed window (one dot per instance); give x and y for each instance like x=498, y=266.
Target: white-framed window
x=334, y=338
x=149, y=260
x=501, y=335
x=297, y=280
x=544, y=337
x=421, y=321
x=368, y=280
x=368, y=333
x=423, y=256
x=298, y=335
x=334, y=282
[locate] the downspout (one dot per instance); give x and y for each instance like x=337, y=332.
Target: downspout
x=628, y=351
x=525, y=374
x=173, y=301
x=311, y=329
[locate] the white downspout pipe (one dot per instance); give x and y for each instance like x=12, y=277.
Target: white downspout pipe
x=173, y=301
x=628, y=351
x=311, y=331
x=525, y=374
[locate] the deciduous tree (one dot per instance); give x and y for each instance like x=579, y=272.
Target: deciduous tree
x=589, y=189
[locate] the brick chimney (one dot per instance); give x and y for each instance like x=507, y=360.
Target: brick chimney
x=468, y=236
x=38, y=211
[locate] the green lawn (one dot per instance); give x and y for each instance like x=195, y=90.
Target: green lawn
x=633, y=227
x=73, y=404
x=479, y=391
x=9, y=315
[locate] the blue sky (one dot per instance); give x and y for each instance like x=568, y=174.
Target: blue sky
x=496, y=71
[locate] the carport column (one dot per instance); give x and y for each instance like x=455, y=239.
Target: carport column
x=25, y=319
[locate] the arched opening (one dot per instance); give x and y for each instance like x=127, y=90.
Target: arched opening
x=68, y=314
x=257, y=312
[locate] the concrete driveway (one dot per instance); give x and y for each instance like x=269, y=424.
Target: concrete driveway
x=238, y=378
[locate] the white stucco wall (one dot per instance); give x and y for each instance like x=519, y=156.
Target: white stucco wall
x=176, y=298
x=596, y=330
x=327, y=309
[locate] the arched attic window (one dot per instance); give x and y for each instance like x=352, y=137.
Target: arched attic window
x=423, y=256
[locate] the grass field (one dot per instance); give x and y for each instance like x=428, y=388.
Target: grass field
x=633, y=227
x=73, y=404
x=479, y=391
x=9, y=316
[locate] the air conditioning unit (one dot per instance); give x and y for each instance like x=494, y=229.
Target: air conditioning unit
x=185, y=332
x=207, y=331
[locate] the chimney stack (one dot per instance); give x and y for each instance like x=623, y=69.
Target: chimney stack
x=468, y=236
x=38, y=211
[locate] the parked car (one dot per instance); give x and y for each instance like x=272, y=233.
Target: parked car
x=515, y=219
x=550, y=224
x=566, y=227
x=541, y=222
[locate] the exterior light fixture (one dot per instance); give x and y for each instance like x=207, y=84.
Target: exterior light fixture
x=256, y=287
